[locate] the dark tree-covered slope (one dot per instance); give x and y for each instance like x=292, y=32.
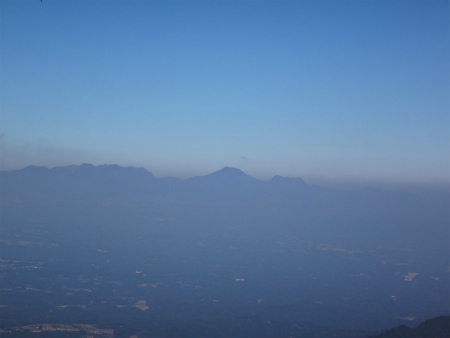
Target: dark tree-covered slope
x=438, y=327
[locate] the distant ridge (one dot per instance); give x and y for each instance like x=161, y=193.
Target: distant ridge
x=104, y=168
x=224, y=174
x=227, y=185
x=76, y=181
x=86, y=169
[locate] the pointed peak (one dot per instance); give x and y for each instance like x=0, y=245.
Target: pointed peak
x=226, y=175
x=229, y=171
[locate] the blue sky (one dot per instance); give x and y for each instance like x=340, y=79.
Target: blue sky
x=324, y=90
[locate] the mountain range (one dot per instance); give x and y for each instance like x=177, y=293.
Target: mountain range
x=116, y=186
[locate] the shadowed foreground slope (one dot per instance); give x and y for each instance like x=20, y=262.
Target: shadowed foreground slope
x=438, y=327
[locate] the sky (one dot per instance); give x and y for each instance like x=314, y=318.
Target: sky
x=332, y=91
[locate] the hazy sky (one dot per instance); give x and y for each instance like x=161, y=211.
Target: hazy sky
x=338, y=90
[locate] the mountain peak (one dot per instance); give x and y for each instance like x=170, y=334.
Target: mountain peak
x=226, y=175
x=229, y=171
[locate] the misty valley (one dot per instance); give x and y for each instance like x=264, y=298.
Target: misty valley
x=121, y=253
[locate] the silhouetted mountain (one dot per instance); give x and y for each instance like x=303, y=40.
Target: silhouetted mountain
x=103, y=174
x=108, y=173
x=438, y=327
x=227, y=185
x=75, y=183
x=226, y=176
x=228, y=173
